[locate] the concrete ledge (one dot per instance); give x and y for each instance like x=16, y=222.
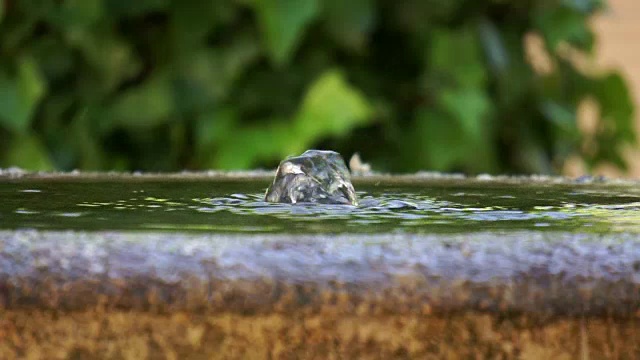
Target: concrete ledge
x=545, y=274
x=76, y=295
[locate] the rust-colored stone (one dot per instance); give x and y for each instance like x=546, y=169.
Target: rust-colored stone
x=105, y=295
x=118, y=334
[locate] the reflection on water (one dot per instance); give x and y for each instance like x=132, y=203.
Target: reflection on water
x=459, y=206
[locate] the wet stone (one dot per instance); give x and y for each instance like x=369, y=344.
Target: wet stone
x=316, y=176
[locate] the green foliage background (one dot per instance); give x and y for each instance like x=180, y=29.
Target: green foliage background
x=233, y=84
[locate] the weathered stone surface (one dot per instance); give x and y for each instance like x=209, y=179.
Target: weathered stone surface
x=316, y=176
x=334, y=333
x=535, y=273
x=105, y=295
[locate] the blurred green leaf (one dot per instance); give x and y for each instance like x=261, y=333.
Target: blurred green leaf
x=616, y=105
x=616, y=124
x=563, y=116
x=192, y=20
x=83, y=139
x=513, y=86
x=349, y=21
x=147, y=105
x=330, y=107
x=207, y=76
x=584, y=6
x=200, y=79
x=533, y=156
x=253, y=143
x=111, y=61
x=166, y=84
x=439, y=141
x=20, y=96
x=455, y=56
x=417, y=16
x=27, y=152
x=55, y=62
x=20, y=21
x=565, y=25
x=493, y=45
x=438, y=144
x=76, y=15
x=282, y=23
x=134, y=8
x=212, y=128
x=469, y=107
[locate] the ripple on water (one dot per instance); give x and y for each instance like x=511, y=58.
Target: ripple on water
x=409, y=210
x=416, y=209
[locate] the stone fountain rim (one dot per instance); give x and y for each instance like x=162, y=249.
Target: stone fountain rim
x=261, y=174
x=535, y=273
x=528, y=272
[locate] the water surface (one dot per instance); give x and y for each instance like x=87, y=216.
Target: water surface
x=451, y=206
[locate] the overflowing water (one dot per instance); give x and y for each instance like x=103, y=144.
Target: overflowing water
x=237, y=206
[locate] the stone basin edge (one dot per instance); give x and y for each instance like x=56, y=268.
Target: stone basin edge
x=267, y=175
x=539, y=274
